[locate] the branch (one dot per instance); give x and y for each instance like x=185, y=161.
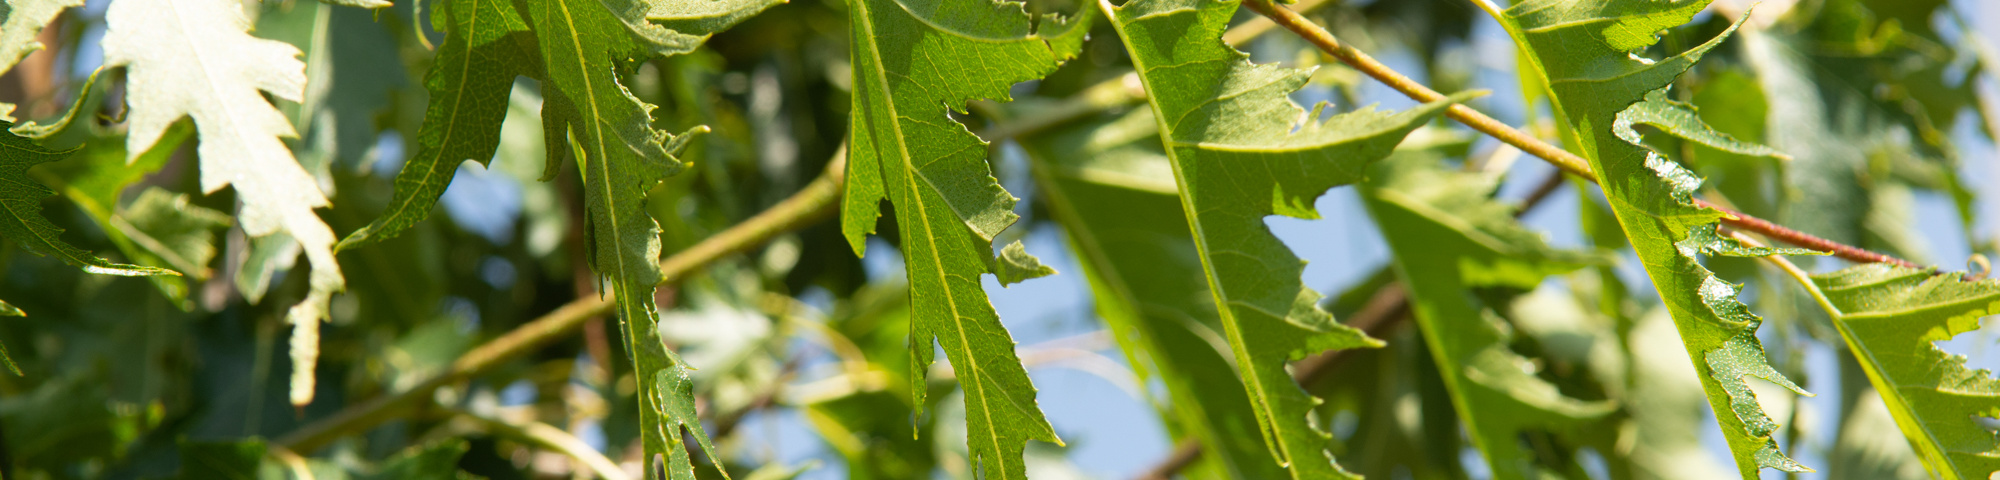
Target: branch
x=1563, y=159
x=548, y=436
x=816, y=201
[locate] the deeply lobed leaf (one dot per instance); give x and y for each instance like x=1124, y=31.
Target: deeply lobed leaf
x=577, y=49
x=1891, y=317
x=21, y=205
x=1583, y=52
x=1109, y=184
x=1449, y=236
x=1239, y=154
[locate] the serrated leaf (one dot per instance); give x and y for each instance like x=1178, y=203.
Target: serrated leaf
x=1015, y=265
x=486, y=45
x=21, y=21
x=913, y=61
x=194, y=58
x=1584, y=52
x=1109, y=185
x=577, y=49
x=1448, y=236
x=609, y=133
x=1681, y=120
x=21, y=209
x=1239, y=153
x=1890, y=317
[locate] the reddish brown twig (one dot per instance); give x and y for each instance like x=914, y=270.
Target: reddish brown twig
x=1563, y=159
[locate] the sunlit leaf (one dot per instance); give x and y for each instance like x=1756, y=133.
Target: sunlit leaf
x=1110, y=186
x=1240, y=153
x=1449, y=236
x=194, y=58
x=1891, y=317
x=914, y=62
x=1584, y=53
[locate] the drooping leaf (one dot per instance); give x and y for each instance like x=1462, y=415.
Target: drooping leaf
x=591, y=117
x=21, y=209
x=1449, y=236
x=1239, y=153
x=20, y=22
x=1109, y=185
x=486, y=45
x=913, y=62
x=578, y=50
x=1583, y=51
x=1890, y=317
x=194, y=58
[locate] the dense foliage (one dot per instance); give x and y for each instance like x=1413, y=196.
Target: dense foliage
x=691, y=216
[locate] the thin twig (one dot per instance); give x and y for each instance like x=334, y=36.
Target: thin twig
x=548, y=436
x=1563, y=159
x=816, y=201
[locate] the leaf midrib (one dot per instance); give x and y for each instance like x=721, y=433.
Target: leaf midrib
x=865, y=20
x=1225, y=311
x=458, y=99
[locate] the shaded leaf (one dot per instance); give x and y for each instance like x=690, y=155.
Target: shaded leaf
x=434, y=461
x=486, y=46
x=221, y=460
x=22, y=221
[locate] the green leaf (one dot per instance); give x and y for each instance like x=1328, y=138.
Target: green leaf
x=1109, y=185
x=1681, y=120
x=1891, y=318
x=609, y=132
x=1240, y=153
x=913, y=61
x=164, y=229
x=7, y=310
x=1015, y=265
x=1583, y=50
x=21, y=21
x=193, y=58
x=577, y=49
x=221, y=460
x=1450, y=236
x=487, y=44
x=21, y=209
x=438, y=460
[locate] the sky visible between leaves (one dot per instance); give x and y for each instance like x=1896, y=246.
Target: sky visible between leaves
x=1114, y=435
